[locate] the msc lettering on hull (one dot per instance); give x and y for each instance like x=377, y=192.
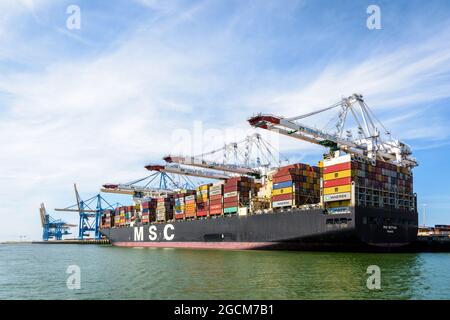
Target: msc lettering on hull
x=154, y=234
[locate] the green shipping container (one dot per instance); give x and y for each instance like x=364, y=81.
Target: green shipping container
x=230, y=210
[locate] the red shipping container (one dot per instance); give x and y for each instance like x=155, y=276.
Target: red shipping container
x=227, y=189
x=215, y=212
x=230, y=199
x=338, y=167
x=337, y=182
x=283, y=178
x=281, y=197
x=202, y=213
x=231, y=204
x=215, y=207
x=179, y=216
x=215, y=197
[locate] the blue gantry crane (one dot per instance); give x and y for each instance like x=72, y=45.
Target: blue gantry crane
x=156, y=184
x=53, y=229
x=90, y=216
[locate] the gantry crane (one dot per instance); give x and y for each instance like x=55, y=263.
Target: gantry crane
x=89, y=218
x=240, y=152
x=369, y=143
x=53, y=228
x=157, y=184
x=177, y=169
x=236, y=160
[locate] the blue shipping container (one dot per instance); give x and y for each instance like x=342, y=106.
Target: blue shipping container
x=282, y=185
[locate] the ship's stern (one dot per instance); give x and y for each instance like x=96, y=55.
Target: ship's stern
x=386, y=228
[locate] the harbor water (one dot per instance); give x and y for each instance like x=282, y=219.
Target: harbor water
x=42, y=271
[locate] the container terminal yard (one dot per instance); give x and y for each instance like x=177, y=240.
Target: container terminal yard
x=360, y=196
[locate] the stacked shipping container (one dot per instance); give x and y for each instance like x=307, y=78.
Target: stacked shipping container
x=296, y=184
x=202, y=200
x=108, y=222
x=164, y=209
x=180, y=203
x=337, y=182
x=376, y=185
x=148, y=211
x=216, y=199
x=236, y=193
x=122, y=216
x=179, y=206
x=189, y=206
x=117, y=216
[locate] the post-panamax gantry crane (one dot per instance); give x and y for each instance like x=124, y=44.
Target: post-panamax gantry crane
x=89, y=217
x=177, y=169
x=157, y=184
x=251, y=156
x=53, y=228
x=232, y=159
x=369, y=143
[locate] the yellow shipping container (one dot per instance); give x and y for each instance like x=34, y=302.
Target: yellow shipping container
x=203, y=187
x=340, y=189
x=277, y=192
x=336, y=204
x=337, y=175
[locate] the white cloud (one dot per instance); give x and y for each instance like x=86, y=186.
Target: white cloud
x=405, y=80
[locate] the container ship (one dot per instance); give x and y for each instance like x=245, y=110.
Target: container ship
x=358, y=197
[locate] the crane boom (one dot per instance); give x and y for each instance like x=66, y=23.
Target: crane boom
x=194, y=162
x=74, y=210
x=370, y=144
x=133, y=190
x=177, y=169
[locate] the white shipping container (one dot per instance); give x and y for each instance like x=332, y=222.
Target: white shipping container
x=338, y=160
x=215, y=192
x=189, y=198
x=230, y=194
x=282, y=203
x=337, y=197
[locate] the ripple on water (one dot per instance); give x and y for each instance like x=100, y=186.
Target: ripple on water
x=39, y=272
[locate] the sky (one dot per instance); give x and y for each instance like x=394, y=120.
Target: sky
x=144, y=78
